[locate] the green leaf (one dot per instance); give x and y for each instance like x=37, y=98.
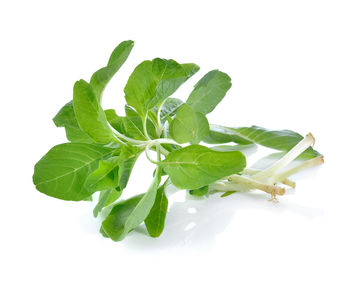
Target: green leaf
x=282, y=140
x=247, y=150
x=153, y=81
x=196, y=166
x=104, y=177
x=228, y=193
x=66, y=118
x=128, y=214
x=62, y=172
x=127, y=159
x=169, y=108
x=156, y=217
x=188, y=126
x=209, y=91
x=89, y=113
x=203, y=191
x=100, y=79
x=106, y=198
x=220, y=134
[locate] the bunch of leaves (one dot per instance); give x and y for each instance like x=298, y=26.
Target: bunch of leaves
x=191, y=154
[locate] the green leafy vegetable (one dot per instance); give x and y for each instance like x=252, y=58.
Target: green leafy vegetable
x=105, y=146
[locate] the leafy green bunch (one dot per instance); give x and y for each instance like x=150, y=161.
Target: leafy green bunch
x=104, y=146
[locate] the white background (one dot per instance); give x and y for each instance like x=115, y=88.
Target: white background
x=290, y=65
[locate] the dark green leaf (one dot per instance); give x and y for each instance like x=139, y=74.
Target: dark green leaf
x=209, y=91
x=196, y=166
x=127, y=215
x=156, y=217
x=62, y=172
x=89, y=113
x=100, y=79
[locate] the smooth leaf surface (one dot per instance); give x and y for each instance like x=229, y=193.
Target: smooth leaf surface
x=188, y=125
x=203, y=191
x=89, y=113
x=196, y=166
x=156, y=217
x=100, y=79
x=127, y=215
x=282, y=140
x=62, y=172
x=219, y=135
x=169, y=108
x=126, y=161
x=209, y=91
x=105, y=176
x=106, y=198
x=153, y=81
x=66, y=118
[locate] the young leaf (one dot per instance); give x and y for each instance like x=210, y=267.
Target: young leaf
x=66, y=118
x=105, y=176
x=188, y=125
x=209, y=91
x=156, y=217
x=100, y=79
x=106, y=198
x=282, y=140
x=169, y=108
x=127, y=159
x=62, y=172
x=153, y=81
x=127, y=215
x=89, y=113
x=196, y=166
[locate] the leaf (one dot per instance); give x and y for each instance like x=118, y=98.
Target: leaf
x=153, y=81
x=228, y=193
x=247, y=150
x=89, y=113
x=106, y=198
x=128, y=214
x=282, y=140
x=100, y=79
x=209, y=91
x=127, y=159
x=156, y=217
x=203, y=191
x=66, y=118
x=196, y=166
x=188, y=126
x=105, y=176
x=220, y=134
x=62, y=172
x=169, y=108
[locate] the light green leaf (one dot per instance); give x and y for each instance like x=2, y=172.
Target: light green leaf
x=127, y=159
x=62, y=172
x=196, y=166
x=169, y=108
x=105, y=176
x=89, y=113
x=282, y=140
x=156, y=217
x=100, y=79
x=188, y=126
x=153, y=81
x=209, y=91
x=66, y=118
x=220, y=134
x=127, y=215
x=106, y=198
x=228, y=193
x=247, y=150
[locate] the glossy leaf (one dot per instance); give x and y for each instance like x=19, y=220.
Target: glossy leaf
x=127, y=215
x=62, y=172
x=156, y=217
x=89, y=113
x=209, y=91
x=196, y=166
x=100, y=79
x=153, y=81
x=188, y=126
